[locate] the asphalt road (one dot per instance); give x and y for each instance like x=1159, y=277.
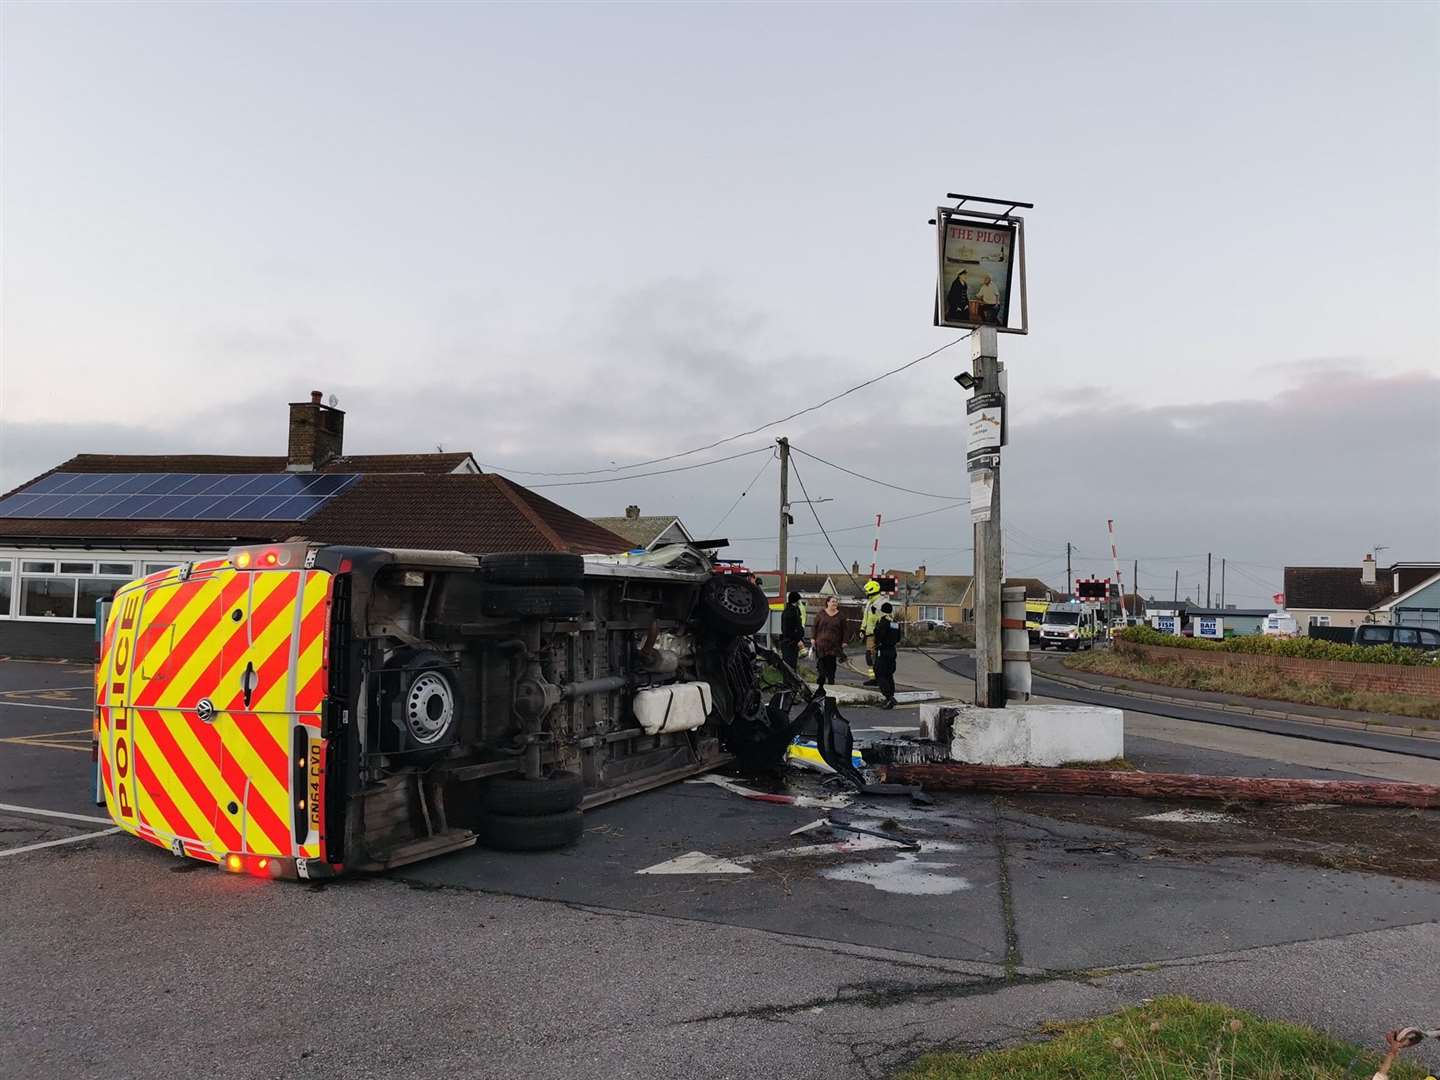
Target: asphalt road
x=802, y=960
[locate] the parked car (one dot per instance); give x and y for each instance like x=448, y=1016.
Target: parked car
x=929, y=624
x=1408, y=637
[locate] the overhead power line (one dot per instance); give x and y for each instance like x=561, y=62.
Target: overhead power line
x=755, y=479
x=739, y=435
x=857, y=528
x=657, y=472
x=813, y=513
x=871, y=479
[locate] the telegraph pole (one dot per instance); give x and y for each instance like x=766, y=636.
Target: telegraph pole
x=784, y=445
x=1207, y=580
x=1135, y=584
x=1069, y=577
x=1222, y=584
x=1177, y=586
x=989, y=663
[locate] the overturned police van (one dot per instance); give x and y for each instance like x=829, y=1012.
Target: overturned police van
x=296, y=710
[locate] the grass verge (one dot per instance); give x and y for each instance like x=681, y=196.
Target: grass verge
x=1170, y=1038
x=1259, y=684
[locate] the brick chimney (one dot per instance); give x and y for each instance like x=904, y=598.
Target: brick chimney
x=920, y=574
x=632, y=512
x=1367, y=570
x=317, y=434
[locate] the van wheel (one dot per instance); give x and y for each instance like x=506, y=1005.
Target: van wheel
x=515, y=795
x=532, y=568
x=540, y=832
x=733, y=605
x=429, y=706
x=533, y=601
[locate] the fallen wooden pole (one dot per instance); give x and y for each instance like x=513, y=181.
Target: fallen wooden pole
x=1148, y=785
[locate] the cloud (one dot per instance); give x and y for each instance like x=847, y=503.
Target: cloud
x=1334, y=463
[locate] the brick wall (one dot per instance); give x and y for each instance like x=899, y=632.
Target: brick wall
x=1386, y=678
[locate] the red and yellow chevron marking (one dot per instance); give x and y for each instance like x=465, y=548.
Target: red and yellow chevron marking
x=226, y=785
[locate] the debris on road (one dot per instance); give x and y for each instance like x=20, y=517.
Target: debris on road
x=832, y=824
x=1143, y=785
x=804, y=753
x=818, y=802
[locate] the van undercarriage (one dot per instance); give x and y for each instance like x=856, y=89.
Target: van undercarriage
x=496, y=698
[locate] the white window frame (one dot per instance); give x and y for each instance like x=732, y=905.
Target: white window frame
x=1319, y=620
x=932, y=612
x=17, y=557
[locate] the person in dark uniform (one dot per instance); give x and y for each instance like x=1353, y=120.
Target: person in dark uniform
x=957, y=298
x=887, y=636
x=792, y=630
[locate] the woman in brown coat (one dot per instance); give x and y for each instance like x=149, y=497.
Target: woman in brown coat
x=830, y=633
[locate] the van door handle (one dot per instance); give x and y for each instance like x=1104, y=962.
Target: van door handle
x=248, y=681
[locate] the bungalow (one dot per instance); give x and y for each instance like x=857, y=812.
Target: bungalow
x=76, y=533
x=646, y=532
x=1416, y=606
x=1350, y=596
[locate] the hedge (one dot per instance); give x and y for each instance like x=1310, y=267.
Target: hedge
x=1305, y=648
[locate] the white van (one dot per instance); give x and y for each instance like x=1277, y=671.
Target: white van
x=1280, y=624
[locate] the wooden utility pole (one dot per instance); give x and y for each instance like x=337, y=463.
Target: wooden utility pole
x=1177, y=586
x=1135, y=584
x=1222, y=584
x=784, y=445
x=989, y=662
x=1069, y=577
x=1207, y=580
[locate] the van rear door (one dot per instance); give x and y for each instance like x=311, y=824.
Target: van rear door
x=268, y=712
x=218, y=676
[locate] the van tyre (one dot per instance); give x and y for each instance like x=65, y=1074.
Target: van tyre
x=533, y=601
x=429, y=704
x=532, y=568
x=527, y=832
x=515, y=795
x=733, y=605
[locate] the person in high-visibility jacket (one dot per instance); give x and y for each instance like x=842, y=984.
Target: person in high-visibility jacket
x=868, y=618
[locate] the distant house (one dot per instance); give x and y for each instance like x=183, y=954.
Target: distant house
x=809, y=586
x=951, y=597
x=1234, y=621
x=1418, y=605
x=1351, y=596
x=646, y=532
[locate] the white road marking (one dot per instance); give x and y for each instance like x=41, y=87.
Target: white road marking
x=57, y=843
x=52, y=813
x=696, y=862
x=35, y=705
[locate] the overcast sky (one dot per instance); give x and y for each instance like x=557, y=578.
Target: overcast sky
x=569, y=236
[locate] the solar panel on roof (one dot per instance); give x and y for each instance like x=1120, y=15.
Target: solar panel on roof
x=177, y=496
